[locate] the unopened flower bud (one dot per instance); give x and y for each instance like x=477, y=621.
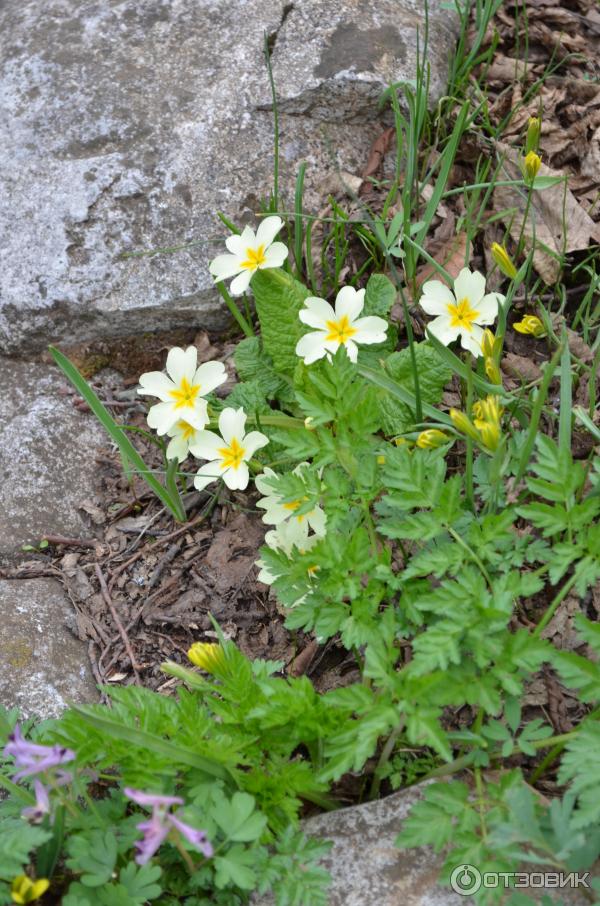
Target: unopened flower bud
x=503, y=260
x=492, y=371
x=531, y=166
x=463, y=424
x=532, y=139
x=209, y=656
x=431, y=439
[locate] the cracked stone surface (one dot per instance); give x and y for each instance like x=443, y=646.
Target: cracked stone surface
x=125, y=126
x=44, y=667
x=47, y=456
x=367, y=869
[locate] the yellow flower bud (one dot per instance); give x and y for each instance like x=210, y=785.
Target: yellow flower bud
x=380, y=460
x=24, y=890
x=488, y=343
x=463, y=424
x=503, y=260
x=209, y=656
x=399, y=441
x=489, y=432
x=532, y=139
x=308, y=423
x=432, y=438
x=492, y=371
x=531, y=165
x=531, y=325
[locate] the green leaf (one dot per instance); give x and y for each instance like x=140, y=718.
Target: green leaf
x=140, y=882
x=143, y=740
x=380, y=295
x=17, y=840
x=238, y=818
x=279, y=299
x=93, y=856
x=253, y=364
x=433, y=376
x=235, y=868
x=126, y=448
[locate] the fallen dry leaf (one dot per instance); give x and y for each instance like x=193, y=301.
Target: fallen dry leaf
x=558, y=221
x=451, y=254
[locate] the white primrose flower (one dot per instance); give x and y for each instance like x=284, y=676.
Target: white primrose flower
x=249, y=252
x=182, y=391
x=460, y=313
x=183, y=436
x=338, y=327
x=227, y=454
x=286, y=537
x=277, y=512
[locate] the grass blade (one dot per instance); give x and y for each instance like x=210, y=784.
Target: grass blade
x=143, y=740
x=126, y=448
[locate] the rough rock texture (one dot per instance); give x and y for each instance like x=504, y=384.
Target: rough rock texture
x=44, y=667
x=47, y=450
x=368, y=870
x=333, y=61
x=127, y=125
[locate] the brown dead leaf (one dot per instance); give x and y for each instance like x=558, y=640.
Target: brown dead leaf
x=561, y=224
x=517, y=366
x=452, y=255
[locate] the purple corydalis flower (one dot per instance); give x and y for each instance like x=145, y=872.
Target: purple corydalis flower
x=152, y=799
x=161, y=823
x=196, y=837
x=36, y=812
x=33, y=759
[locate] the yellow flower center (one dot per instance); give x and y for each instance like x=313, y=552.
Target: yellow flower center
x=341, y=330
x=462, y=315
x=187, y=430
x=254, y=258
x=294, y=506
x=185, y=394
x=233, y=455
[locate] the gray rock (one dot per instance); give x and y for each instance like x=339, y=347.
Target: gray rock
x=44, y=667
x=47, y=450
x=365, y=866
x=333, y=61
x=367, y=869
x=127, y=125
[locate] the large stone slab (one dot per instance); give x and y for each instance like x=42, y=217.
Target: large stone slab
x=127, y=125
x=367, y=869
x=44, y=667
x=47, y=456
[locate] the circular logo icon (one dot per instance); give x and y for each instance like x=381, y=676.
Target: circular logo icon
x=465, y=880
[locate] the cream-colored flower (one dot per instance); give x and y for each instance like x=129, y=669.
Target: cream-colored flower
x=229, y=453
x=462, y=312
x=276, y=511
x=286, y=537
x=249, y=252
x=338, y=327
x=183, y=436
x=181, y=390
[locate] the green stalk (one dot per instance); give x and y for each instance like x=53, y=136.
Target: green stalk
x=244, y=325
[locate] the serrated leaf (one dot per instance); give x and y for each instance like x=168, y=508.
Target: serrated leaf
x=93, y=856
x=278, y=299
x=433, y=376
x=380, y=295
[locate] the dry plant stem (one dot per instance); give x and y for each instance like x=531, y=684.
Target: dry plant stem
x=119, y=625
x=70, y=542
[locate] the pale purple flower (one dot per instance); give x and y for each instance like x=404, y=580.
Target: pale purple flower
x=155, y=832
x=33, y=759
x=161, y=823
x=196, y=837
x=154, y=800
x=36, y=812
